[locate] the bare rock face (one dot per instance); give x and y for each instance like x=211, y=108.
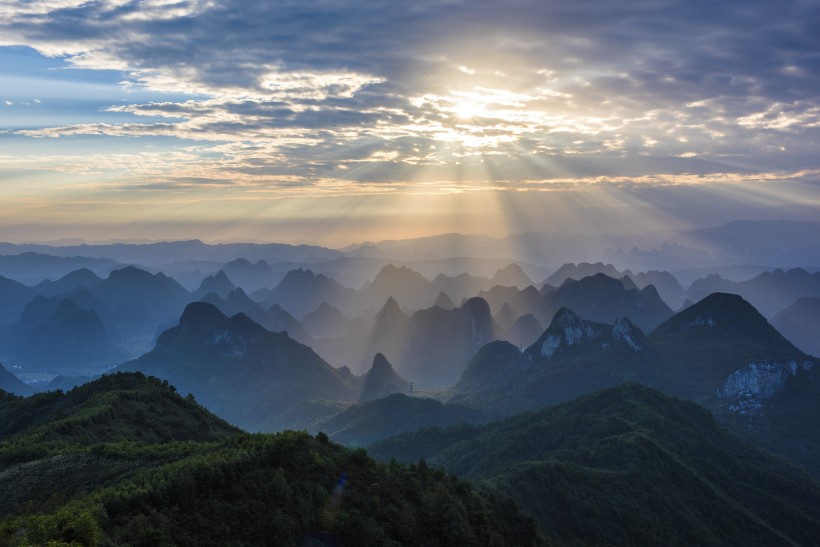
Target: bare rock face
x=746, y=389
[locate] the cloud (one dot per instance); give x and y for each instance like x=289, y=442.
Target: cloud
x=397, y=88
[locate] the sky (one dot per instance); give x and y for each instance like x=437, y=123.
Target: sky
x=336, y=121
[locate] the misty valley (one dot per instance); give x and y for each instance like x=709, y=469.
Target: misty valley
x=477, y=392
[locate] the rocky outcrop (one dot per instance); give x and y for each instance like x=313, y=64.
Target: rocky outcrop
x=748, y=388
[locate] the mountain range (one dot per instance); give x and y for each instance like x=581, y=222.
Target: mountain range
x=627, y=466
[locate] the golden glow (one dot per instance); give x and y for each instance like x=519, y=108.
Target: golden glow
x=467, y=110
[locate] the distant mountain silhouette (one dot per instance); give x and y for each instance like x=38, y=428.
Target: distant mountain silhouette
x=82, y=278
x=769, y=292
x=218, y=284
x=140, y=300
x=800, y=323
x=255, y=378
x=603, y=299
x=524, y=331
x=326, y=320
x=381, y=380
x=302, y=291
x=60, y=335
x=444, y=301
x=278, y=320
x=511, y=275
x=251, y=277
x=580, y=271
x=14, y=296
x=11, y=384
x=409, y=288
x=33, y=268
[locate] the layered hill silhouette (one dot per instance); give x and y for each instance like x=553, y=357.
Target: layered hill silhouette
x=800, y=323
x=57, y=334
x=251, y=376
x=604, y=299
x=769, y=292
x=12, y=384
x=429, y=347
x=381, y=380
x=719, y=352
x=627, y=465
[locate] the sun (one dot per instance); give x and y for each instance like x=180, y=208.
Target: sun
x=467, y=110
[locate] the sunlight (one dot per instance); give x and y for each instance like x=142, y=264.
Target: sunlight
x=467, y=110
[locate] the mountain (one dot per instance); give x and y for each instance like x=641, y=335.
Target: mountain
x=602, y=299
x=667, y=285
x=11, y=384
x=251, y=277
x=436, y=344
x=506, y=316
x=244, y=373
x=57, y=335
x=408, y=287
x=769, y=292
x=498, y=295
x=125, y=459
x=629, y=466
x=219, y=284
x=116, y=407
x=572, y=357
x=511, y=275
x=370, y=421
x=14, y=296
x=31, y=267
x=707, y=342
x=326, y=320
x=82, y=278
x=302, y=291
x=381, y=380
x=235, y=301
x=165, y=252
x=524, y=331
x=430, y=347
x=444, y=301
x=140, y=300
x=719, y=352
x=800, y=323
x=580, y=271
x=276, y=319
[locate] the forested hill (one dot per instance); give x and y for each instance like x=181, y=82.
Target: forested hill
x=98, y=466
x=628, y=466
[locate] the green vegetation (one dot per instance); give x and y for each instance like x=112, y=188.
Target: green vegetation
x=95, y=475
x=628, y=465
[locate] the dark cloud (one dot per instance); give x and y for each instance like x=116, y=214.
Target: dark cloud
x=694, y=85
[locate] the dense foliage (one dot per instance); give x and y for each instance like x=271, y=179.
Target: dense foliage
x=73, y=488
x=628, y=466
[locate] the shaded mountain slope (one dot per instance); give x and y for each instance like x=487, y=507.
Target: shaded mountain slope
x=604, y=299
x=381, y=380
x=58, y=334
x=800, y=323
x=255, y=378
x=11, y=384
x=628, y=465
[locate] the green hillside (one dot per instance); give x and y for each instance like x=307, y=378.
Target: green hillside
x=628, y=465
x=125, y=461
